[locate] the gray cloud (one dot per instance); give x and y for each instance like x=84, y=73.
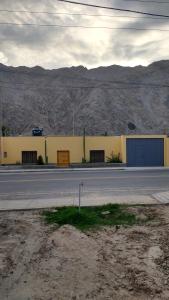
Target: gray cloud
x=57, y=47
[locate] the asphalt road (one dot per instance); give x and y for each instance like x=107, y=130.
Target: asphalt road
x=47, y=185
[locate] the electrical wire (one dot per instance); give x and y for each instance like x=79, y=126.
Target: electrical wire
x=85, y=27
x=79, y=14
x=147, y=1
x=113, y=8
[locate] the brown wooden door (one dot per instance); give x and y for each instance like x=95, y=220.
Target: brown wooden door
x=63, y=158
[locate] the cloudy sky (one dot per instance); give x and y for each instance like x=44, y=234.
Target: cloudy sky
x=52, y=47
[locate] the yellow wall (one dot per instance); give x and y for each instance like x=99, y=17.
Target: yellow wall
x=116, y=144
x=72, y=144
x=166, y=152
x=15, y=145
x=110, y=144
x=75, y=146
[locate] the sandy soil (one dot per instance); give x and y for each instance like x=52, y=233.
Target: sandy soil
x=38, y=262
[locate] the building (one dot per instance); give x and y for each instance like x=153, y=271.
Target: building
x=134, y=150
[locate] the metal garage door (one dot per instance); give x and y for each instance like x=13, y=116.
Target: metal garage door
x=143, y=152
x=96, y=156
x=29, y=157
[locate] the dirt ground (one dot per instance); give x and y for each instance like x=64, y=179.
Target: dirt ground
x=40, y=262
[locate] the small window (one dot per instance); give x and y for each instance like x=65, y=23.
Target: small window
x=5, y=154
x=29, y=157
x=97, y=156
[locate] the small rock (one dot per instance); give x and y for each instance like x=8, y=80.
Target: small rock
x=54, y=210
x=106, y=212
x=122, y=276
x=141, y=217
x=158, y=290
x=22, y=242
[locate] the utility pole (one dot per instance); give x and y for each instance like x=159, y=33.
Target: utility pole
x=1, y=131
x=73, y=122
x=84, y=144
x=46, y=155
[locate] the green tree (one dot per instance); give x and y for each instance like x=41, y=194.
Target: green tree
x=40, y=160
x=5, y=131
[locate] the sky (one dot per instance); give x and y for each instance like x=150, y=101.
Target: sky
x=55, y=47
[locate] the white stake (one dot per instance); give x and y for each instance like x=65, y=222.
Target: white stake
x=80, y=186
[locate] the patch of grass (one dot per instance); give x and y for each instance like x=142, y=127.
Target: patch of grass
x=91, y=217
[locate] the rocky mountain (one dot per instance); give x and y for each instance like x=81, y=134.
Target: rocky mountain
x=105, y=100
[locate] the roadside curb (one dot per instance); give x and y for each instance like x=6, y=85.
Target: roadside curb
x=162, y=197
x=29, y=204
x=60, y=170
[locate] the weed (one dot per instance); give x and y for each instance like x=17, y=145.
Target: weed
x=89, y=217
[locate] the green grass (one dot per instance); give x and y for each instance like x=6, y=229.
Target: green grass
x=91, y=217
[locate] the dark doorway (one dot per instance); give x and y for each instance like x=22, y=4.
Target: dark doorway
x=29, y=157
x=97, y=156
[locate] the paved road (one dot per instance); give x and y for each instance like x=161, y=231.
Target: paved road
x=48, y=185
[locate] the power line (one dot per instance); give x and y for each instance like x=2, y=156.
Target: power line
x=113, y=8
x=79, y=14
x=85, y=27
x=147, y=1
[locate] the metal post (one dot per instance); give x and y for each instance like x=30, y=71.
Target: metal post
x=80, y=186
x=46, y=156
x=1, y=148
x=1, y=132
x=73, y=122
x=84, y=144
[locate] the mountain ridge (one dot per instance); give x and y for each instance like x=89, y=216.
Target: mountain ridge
x=104, y=100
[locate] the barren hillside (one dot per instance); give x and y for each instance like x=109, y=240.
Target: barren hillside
x=112, y=100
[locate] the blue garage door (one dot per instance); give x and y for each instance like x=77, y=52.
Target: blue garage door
x=145, y=152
